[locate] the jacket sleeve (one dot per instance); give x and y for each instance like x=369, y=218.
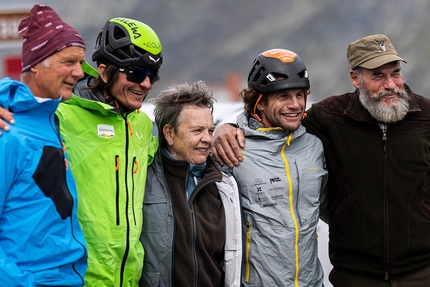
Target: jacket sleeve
x=313, y=126
x=10, y=274
x=230, y=197
x=12, y=92
x=4, y=97
x=312, y=122
x=324, y=208
x=152, y=149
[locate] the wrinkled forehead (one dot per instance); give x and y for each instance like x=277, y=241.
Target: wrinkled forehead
x=195, y=115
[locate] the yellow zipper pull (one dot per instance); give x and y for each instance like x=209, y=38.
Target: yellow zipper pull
x=247, y=246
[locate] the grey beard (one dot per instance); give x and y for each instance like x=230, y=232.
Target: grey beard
x=382, y=113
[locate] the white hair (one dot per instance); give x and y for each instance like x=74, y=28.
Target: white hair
x=46, y=63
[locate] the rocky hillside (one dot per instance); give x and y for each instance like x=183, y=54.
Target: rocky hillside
x=210, y=39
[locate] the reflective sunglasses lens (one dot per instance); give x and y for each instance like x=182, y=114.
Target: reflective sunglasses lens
x=138, y=74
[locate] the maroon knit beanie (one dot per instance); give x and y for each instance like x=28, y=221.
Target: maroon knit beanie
x=44, y=34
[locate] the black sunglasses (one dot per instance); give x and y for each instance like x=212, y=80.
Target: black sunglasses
x=137, y=74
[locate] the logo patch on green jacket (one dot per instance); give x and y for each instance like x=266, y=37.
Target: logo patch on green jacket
x=105, y=131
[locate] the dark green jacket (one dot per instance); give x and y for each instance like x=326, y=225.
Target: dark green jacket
x=378, y=185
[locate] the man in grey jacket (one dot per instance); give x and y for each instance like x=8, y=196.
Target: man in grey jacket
x=282, y=176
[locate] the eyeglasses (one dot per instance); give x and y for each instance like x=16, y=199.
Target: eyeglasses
x=137, y=74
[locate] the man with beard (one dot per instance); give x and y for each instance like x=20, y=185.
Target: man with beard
x=376, y=143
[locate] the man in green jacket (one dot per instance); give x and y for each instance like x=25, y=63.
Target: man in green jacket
x=110, y=144
x=376, y=143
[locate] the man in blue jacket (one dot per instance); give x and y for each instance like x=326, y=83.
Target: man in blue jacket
x=41, y=241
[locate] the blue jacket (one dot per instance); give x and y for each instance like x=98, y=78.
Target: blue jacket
x=41, y=241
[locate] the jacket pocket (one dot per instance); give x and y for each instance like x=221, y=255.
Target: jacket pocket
x=311, y=181
x=265, y=239
x=50, y=177
x=154, y=212
x=150, y=279
x=422, y=198
x=341, y=201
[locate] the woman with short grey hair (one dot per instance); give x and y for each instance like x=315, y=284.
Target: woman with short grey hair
x=192, y=218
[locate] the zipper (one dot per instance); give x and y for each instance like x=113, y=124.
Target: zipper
x=292, y=211
x=135, y=168
x=247, y=247
x=70, y=199
x=173, y=234
x=193, y=247
x=66, y=188
x=127, y=202
x=193, y=224
x=384, y=142
x=117, y=189
x=62, y=151
x=386, y=235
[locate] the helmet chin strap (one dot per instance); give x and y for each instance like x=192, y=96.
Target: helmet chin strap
x=111, y=100
x=253, y=114
x=306, y=100
x=122, y=107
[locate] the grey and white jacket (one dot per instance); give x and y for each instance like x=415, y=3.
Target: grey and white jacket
x=282, y=182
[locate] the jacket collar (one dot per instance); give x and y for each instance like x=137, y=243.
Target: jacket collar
x=93, y=100
x=251, y=126
x=17, y=97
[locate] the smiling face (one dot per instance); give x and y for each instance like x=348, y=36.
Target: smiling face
x=58, y=74
x=283, y=109
x=131, y=95
x=382, y=92
x=193, y=138
x=382, y=83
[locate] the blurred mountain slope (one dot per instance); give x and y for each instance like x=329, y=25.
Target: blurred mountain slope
x=208, y=39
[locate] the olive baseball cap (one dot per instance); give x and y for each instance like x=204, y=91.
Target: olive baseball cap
x=371, y=52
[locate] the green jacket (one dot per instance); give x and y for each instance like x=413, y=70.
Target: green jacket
x=109, y=153
x=379, y=185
